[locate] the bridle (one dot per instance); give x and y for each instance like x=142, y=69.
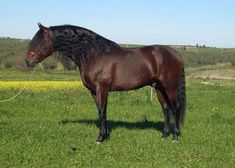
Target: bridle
x=47, y=39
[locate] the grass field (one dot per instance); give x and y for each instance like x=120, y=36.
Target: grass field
x=13, y=75
x=57, y=127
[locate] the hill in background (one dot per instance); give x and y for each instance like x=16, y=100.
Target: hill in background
x=13, y=51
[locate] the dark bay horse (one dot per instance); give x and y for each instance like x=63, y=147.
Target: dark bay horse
x=105, y=66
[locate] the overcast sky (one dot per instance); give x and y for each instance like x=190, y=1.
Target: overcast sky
x=209, y=22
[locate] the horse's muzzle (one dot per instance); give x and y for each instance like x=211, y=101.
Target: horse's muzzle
x=31, y=63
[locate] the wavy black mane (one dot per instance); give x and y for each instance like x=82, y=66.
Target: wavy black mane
x=79, y=43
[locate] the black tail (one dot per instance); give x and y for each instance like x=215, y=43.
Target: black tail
x=181, y=97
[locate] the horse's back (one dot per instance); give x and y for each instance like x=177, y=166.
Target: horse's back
x=162, y=59
x=163, y=53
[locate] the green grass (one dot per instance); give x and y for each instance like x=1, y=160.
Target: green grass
x=58, y=128
x=39, y=74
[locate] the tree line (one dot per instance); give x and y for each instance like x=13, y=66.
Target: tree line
x=13, y=52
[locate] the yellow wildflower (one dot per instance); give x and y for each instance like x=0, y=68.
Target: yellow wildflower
x=40, y=85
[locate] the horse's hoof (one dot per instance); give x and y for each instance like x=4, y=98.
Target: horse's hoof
x=165, y=135
x=164, y=138
x=101, y=138
x=97, y=142
x=175, y=138
x=175, y=141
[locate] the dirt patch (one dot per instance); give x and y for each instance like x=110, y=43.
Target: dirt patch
x=227, y=74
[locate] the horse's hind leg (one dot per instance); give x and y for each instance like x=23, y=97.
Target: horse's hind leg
x=176, y=113
x=167, y=112
x=171, y=105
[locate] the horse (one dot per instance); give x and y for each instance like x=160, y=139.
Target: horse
x=105, y=66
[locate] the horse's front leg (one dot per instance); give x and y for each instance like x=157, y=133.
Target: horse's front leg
x=101, y=97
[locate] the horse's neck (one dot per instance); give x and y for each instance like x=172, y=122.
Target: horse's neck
x=74, y=50
x=80, y=53
x=81, y=46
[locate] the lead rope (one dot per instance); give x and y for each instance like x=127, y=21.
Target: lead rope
x=21, y=90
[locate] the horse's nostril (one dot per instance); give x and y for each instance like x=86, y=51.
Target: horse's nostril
x=27, y=62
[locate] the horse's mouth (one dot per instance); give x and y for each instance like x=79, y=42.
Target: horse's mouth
x=31, y=63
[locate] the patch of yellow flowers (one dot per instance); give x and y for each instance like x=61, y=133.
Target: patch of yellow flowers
x=40, y=85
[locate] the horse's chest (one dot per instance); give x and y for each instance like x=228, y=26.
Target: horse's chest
x=87, y=79
x=94, y=76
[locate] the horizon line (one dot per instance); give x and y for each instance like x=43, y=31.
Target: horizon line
x=138, y=44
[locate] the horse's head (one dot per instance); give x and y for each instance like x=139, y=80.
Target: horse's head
x=41, y=46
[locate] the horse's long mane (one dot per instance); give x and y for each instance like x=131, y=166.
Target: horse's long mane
x=79, y=43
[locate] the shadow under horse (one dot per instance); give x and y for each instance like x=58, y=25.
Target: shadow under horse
x=105, y=66
x=141, y=125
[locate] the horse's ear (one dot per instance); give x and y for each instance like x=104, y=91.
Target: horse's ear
x=45, y=29
x=41, y=26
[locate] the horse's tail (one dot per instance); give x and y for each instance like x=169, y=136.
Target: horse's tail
x=181, y=96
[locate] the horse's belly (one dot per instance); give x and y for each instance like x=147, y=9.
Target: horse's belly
x=127, y=78
x=128, y=85
x=131, y=70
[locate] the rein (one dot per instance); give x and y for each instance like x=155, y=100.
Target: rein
x=20, y=91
